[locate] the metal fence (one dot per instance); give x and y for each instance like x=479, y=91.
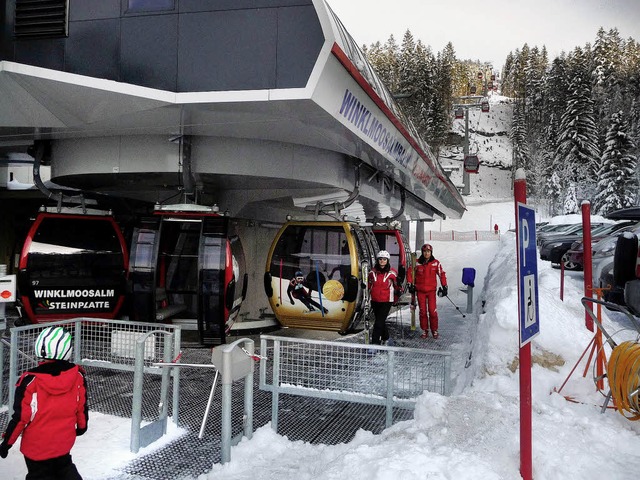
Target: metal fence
x=470, y=236
x=111, y=345
x=372, y=374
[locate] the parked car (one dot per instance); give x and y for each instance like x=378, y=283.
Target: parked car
x=553, y=247
x=623, y=271
x=603, y=251
x=603, y=254
x=560, y=229
x=574, y=258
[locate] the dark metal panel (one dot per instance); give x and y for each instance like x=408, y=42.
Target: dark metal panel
x=233, y=50
x=93, y=49
x=45, y=53
x=211, y=5
x=300, y=39
x=7, y=9
x=93, y=9
x=149, y=51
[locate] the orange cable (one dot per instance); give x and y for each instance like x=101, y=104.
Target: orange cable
x=623, y=373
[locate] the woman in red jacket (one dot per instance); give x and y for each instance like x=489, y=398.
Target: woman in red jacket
x=49, y=410
x=382, y=285
x=428, y=270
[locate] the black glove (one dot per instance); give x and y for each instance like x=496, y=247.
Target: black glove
x=445, y=290
x=4, y=449
x=80, y=431
x=440, y=291
x=412, y=288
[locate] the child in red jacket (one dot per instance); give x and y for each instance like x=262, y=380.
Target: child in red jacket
x=428, y=270
x=50, y=409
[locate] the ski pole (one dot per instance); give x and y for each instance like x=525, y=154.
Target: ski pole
x=463, y=315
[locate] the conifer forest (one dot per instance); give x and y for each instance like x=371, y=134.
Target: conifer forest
x=576, y=117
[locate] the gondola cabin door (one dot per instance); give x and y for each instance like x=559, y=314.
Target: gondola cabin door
x=316, y=272
x=393, y=241
x=188, y=268
x=73, y=265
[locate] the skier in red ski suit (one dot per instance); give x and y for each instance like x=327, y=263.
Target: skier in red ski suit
x=50, y=410
x=382, y=286
x=428, y=270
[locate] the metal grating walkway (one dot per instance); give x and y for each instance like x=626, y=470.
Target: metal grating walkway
x=317, y=421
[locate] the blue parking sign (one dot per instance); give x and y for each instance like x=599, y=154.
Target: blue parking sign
x=527, y=274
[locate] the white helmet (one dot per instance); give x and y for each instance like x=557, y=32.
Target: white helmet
x=383, y=254
x=54, y=343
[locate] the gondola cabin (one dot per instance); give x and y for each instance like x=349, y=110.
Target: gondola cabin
x=459, y=113
x=471, y=164
x=73, y=265
x=473, y=90
x=316, y=273
x=484, y=106
x=393, y=241
x=188, y=267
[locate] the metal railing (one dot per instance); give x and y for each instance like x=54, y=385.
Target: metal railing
x=112, y=345
x=232, y=362
x=469, y=236
x=371, y=374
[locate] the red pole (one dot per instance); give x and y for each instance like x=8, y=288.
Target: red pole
x=561, y=280
x=586, y=242
x=520, y=196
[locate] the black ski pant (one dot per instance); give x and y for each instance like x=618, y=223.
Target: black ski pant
x=380, y=312
x=59, y=468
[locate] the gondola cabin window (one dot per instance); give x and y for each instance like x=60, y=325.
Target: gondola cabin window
x=319, y=253
x=150, y=5
x=73, y=249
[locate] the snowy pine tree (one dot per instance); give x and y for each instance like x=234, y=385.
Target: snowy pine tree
x=617, y=183
x=578, y=152
x=570, y=200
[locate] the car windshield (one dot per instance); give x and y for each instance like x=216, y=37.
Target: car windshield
x=553, y=228
x=577, y=229
x=611, y=239
x=603, y=229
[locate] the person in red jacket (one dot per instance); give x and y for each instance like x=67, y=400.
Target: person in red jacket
x=428, y=270
x=50, y=409
x=382, y=286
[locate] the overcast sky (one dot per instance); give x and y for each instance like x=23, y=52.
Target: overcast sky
x=488, y=30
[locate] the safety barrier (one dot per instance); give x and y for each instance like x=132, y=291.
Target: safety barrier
x=370, y=374
x=471, y=236
x=232, y=362
x=112, y=345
